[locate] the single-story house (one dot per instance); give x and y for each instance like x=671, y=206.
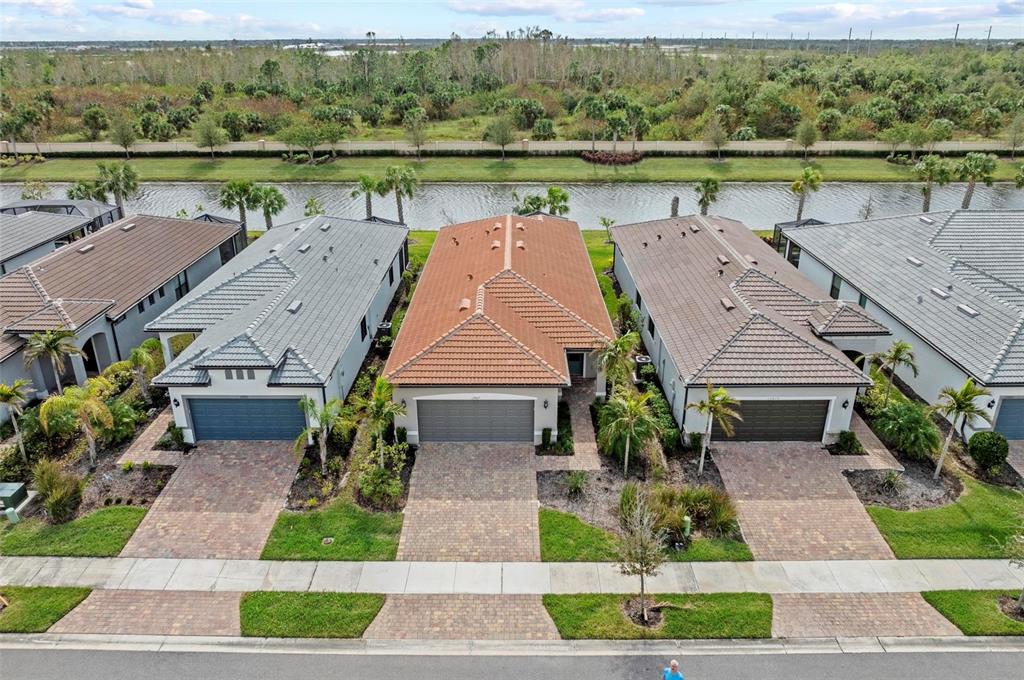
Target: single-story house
x=950, y=283
x=717, y=304
x=29, y=235
x=506, y=314
x=105, y=288
x=292, y=316
x=97, y=213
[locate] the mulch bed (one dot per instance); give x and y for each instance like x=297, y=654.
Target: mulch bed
x=922, y=491
x=1009, y=606
x=1006, y=477
x=310, y=484
x=633, y=611
x=111, y=485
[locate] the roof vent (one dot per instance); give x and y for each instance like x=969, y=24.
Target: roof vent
x=721, y=273
x=644, y=244
x=659, y=237
x=751, y=259
x=295, y=306
x=914, y=261
x=495, y=244
x=920, y=299
x=682, y=234
x=728, y=304
x=521, y=245
x=86, y=248
x=463, y=304
x=304, y=248
x=325, y=226
x=455, y=241
x=520, y=226
x=939, y=293
x=969, y=311
x=694, y=228
x=497, y=226
x=926, y=220
x=276, y=247
x=128, y=227
x=722, y=259
x=469, y=277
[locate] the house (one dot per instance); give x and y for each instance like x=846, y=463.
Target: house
x=29, y=235
x=950, y=283
x=105, y=288
x=717, y=304
x=97, y=213
x=293, y=316
x=506, y=315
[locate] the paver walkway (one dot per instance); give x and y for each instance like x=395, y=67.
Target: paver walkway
x=143, y=450
x=221, y=502
x=452, y=617
x=857, y=615
x=1016, y=458
x=584, y=440
x=794, y=503
x=876, y=455
x=148, y=612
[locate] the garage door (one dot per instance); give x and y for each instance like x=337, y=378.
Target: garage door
x=779, y=421
x=1011, y=418
x=246, y=418
x=475, y=420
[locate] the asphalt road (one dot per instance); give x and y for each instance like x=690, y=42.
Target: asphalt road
x=86, y=665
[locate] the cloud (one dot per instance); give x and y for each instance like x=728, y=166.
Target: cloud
x=139, y=4
x=53, y=8
x=871, y=14
x=607, y=15
x=689, y=3
x=1010, y=8
x=566, y=10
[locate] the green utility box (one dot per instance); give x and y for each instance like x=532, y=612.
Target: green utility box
x=12, y=494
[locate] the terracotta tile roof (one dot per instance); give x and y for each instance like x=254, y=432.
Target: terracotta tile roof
x=499, y=302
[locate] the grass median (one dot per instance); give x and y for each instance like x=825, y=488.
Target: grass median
x=308, y=615
x=102, y=533
x=34, y=610
x=357, y=534
x=976, y=612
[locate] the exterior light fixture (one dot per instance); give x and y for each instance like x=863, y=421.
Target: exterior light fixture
x=176, y=402
x=992, y=404
x=846, y=404
x=545, y=403
x=403, y=403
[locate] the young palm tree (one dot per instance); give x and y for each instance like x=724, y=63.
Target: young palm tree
x=119, y=179
x=86, y=403
x=717, y=407
x=271, y=201
x=959, y=405
x=14, y=396
x=616, y=358
x=932, y=170
x=628, y=417
x=707, y=193
x=323, y=422
x=900, y=353
x=55, y=346
x=142, y=361
x=239, y=194
x=366, y=187
x=607, y=223
x=808, y=181
x=402, y=181
x=972, y=168
x=380, y=411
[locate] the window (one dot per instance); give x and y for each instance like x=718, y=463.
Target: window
x=638, y=299
x=362, y=329
x=228, y=374
x=152, y=298
x=794, y=254
x=837, y=284
x=391, y=276
x=239, y=374
x=650, y=325
x=141, y=306
x=161, y=291
x=227, y=251
x=862, y=300
x=250, y=374
x=780, y=242
x=180, y=286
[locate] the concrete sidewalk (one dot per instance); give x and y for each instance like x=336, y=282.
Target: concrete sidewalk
x=510, y=578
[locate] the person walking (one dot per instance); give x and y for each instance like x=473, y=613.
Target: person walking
x=672, y=672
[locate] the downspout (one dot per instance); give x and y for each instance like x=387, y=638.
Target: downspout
x=117, y=346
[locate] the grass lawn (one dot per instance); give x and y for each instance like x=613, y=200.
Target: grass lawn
x=102, y=533
x=566, y=538
x=34, y=610
x=701, y=617
x=481, y=169
x=975, y=612
x=420, y=243
x=974, y=527
x=358, y=534
x=308, y=615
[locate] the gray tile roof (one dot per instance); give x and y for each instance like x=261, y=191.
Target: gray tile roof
x=728, y=308
x=21, y=233
x=332, y=266
x=84, y=208
x=925, y=269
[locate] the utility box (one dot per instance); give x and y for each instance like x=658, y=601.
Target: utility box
x=12, y=494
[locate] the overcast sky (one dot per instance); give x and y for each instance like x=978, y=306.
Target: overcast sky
x=225, y=19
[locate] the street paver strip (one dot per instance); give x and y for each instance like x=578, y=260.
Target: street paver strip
x=857, y=615
x=221, y=502
x=154, y=612
x=463, y=617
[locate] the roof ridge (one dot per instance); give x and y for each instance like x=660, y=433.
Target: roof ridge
x=964, y=263
x=1000, y=356
x=431, y=345
x=265, y=312
x=722, y=347
x=298, y=355
x=522, y=346
x=809, y=344
x=36, y=283
x=553, y=300
x=938, y=229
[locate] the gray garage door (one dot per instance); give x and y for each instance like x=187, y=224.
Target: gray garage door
x=246, y=418
x=779, y=421
x=475, y=420
x=1011, y=418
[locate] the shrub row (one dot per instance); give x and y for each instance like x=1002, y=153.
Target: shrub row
x=612, y=157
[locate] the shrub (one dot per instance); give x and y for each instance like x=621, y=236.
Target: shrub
x=127, y=467
x=628, y=498
x=45, y=476
x=612, y=158
x=647, y=372
x=848, y=444
x=709, y=508
x=61, y=492
x=893, y=483
x=382, y=486
x=125, y=420
x=989, y=450
x=12, y=467
x=545, y=438
x=696, y=439
x=543, y=130
x=401, y=435
x=906, y=427
x=576, y=483
x=663, y=414
x=173, y=439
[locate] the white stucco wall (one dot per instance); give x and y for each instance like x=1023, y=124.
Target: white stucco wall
x=27, y=257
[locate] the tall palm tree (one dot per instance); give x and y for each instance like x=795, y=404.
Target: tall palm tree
x=616, y=358
x=87, y=404
x=628, y=416
x=557, y=201
x=323, y=421
x=119, y=179
x=84, y=190
x=55, y=346
x=900, y=353
x=380, y=411
x=959, y=405
x=366, y=187
x=271, y=201
x=972, y=168
x=142, y=361
x=14, y=396
x=808, y=181
x=932, y=170
x=239, y=194
x=717, y=407
x=707, y=193
x=402, y=181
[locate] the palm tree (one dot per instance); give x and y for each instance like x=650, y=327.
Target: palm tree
x=717, y=407
x=119, y=179
x=900, y=353
x=932, y=169
x=972, y=168
x=707, y=193
x=367, y=187
x=960, y=405
x=14, y=396
x=239, y=194
x=402, y=181
x=628, y=416
x=557, y=201
x=271, y=201
x=83, y=190
x=607, y=223
x=86, y=403
x=616, y=358
x=380, y=411
x=54, y=345
x=142, y=361
x=323, y=422
x=808, y=181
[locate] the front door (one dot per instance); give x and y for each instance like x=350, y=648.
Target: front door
x=576, y=361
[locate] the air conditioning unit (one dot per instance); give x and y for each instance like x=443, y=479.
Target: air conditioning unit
x=643, y=359
x=384, y=326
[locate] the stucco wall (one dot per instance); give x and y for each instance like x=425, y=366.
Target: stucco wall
x=27, y=257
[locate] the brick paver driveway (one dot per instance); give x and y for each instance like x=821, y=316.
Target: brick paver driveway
x=154, y=612
x=221, y=503
x=794, y=503
x=857, y=615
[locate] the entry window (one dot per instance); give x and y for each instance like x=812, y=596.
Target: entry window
x=391, y=276
x=161, y=291
x=152, y=298
x=837, y=284
x=780, y=242
x=794, y=254
x=638, y=300
x=180, y=286
x=362, y=329
x=650, y=325
x=227, y=251
x=141, y=306
x=862, y=300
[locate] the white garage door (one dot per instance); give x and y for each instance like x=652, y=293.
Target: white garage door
x=476, y=420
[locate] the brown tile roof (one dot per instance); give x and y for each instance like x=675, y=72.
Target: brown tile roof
x=499, y=301
x=688, y=268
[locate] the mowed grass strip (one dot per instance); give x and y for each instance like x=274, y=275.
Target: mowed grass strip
x=34, y=610
x=695, y=617
x=358, y=535
x=308, y=615
x=975, y=612
x=102, y=533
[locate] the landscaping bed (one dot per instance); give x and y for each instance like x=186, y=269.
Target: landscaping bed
x=34, y=610
x=308, y=615
x=979, y=612
x=915, y=490
x=356, y=534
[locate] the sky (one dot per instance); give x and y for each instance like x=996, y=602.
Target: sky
x=340, y=19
